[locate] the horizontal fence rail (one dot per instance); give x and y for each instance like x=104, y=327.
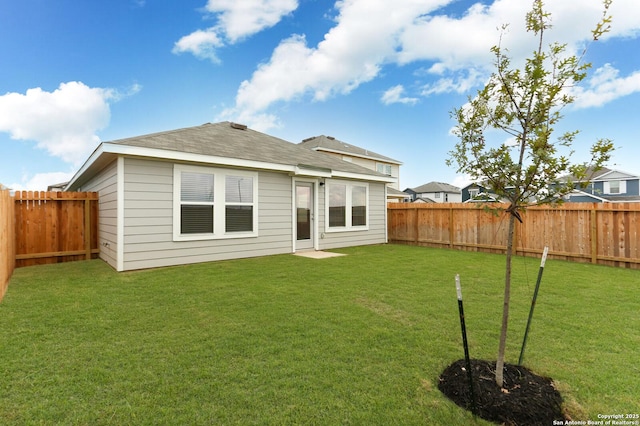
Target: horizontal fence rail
x=53, y=227
x=599, y=233
x=7, y=240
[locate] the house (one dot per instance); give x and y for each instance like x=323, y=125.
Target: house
x=478, y=193
x=396, y=196
x=603, y=186
x=436, y=192
x=353, y=154
x=224, y=191
x=607, y=185
x=57, y=187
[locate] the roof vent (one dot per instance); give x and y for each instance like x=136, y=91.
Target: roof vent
x=239, y=126
x=331, y=138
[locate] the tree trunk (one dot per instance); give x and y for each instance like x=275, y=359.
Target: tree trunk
x=505, y=307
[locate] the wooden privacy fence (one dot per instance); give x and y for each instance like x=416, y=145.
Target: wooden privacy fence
x=53, y=227
x=602, y=233
x=7, y=241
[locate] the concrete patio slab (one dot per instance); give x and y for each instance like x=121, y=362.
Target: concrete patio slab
x=312, y=254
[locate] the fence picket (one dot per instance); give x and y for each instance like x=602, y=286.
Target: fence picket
x=54, y=227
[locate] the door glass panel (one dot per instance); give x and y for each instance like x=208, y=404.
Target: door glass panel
x=303, y=212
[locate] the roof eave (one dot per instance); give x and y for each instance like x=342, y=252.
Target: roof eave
x=112, y=149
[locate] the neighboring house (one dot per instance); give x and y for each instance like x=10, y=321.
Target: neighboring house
x=421, y=200
x=353, y=154
x=607, y=185
x=478, y=193
x=223, y=191
x=395, y=196
x=436, y=192
x=58, y=187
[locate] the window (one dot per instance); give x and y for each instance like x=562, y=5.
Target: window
x=358, y=206
x=196, y=203
x=214, y=203
x=385, y=169
x=347, y=206
x=615, y=187
x=337, y=205
x=239, y=204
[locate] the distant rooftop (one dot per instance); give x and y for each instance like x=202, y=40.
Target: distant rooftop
x=436, y=187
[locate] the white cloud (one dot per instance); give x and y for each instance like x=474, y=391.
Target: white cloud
x=460, y=82
x=40, y=181
x=605, y=86
x=202, y=44
x=240, y=19
x=461, y=181
x=395, y=94
x=455, y=50
x=353, y=52
x=63, y=122
x=236, y=20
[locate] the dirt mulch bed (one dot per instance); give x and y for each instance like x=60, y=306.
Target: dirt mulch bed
x=526, y=399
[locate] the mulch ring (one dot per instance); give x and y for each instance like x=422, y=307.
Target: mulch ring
x=525, y=399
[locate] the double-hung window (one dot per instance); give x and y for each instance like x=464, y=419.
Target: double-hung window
x=214, y=203
x=615, y=187
x=196, y=203
x=238, y=208
x=347, y=206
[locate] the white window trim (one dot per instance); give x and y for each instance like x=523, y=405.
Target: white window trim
x=348, y=205
x=219, y=203
x=622, y=187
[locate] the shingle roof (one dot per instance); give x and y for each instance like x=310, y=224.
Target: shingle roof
x=330, y=143
x=231, y=140
x=437, y=187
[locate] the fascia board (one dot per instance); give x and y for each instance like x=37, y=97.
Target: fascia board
x=358, y=176
x=352, y=154
x=97, y=153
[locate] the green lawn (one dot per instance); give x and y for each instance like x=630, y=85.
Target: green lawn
x=358, y=339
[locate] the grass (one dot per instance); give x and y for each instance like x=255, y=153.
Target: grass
x=359, y=339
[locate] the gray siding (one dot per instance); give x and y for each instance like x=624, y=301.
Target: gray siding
x=104, y=183
x=148, y=220
x=377, y=232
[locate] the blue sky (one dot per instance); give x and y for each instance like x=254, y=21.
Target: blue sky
x=378, y=74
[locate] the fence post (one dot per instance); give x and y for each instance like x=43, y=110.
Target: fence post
x=451, y=233
x=594, y=235
x=416, y=229
x=7, y=240
x=87, y=228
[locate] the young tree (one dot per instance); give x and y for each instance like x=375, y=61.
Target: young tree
x=530, y=167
